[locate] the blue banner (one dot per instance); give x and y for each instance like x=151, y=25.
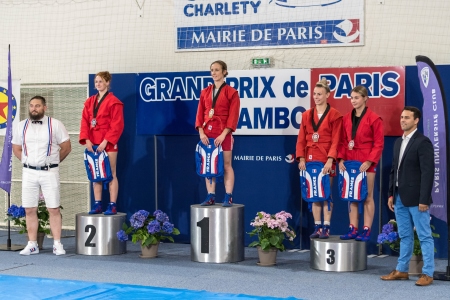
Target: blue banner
x=6, y=163
x=271, y=101
x=229, y=24
x=435, y=127
x=333, y=32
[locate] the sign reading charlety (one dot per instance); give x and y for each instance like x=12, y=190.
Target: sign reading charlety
x=233, y=24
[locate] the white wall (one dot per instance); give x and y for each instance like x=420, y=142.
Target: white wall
x=61, y=41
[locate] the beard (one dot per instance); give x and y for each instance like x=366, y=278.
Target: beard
x=36, y=116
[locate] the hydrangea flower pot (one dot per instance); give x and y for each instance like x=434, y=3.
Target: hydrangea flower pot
x=415, y=265
x=150, y=251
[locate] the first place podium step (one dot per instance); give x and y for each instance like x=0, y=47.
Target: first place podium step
x=217, y=233
x=97, y=234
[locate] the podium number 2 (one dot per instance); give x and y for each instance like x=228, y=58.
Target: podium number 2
x=93, y=230
x=204, y=234
x=330, y=259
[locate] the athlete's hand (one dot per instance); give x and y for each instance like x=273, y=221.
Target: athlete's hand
x=204, y=138
x=102, y=146
x=302, y=164
x=218, y=141
x=328, y=167
x=88, y=146
x=342, y=166
x=365, y=166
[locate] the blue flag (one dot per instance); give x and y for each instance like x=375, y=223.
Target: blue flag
x=435, y=128
x=6, y=162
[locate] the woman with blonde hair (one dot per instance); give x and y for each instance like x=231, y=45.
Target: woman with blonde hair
x=318, y=139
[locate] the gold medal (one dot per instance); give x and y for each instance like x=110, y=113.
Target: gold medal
x=211, y=113
x=351, y=144
x=315, y=137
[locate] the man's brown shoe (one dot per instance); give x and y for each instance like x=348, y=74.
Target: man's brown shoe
x=396, y=275
x=424, y=280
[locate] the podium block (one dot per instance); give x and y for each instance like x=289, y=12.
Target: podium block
x=96, y=234
x=217, y=233
x=338, y=255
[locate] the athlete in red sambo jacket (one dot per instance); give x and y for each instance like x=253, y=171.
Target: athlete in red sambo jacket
x=217, y=117
x=102, y=124
x=362, y=139
x=318, y=139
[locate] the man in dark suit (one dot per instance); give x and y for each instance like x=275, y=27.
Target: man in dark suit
x=410, y=184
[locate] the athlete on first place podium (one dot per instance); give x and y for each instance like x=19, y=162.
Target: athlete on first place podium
x=217, y=118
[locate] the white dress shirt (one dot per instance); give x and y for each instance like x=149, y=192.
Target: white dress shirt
x=403, y=147
x=34, y=139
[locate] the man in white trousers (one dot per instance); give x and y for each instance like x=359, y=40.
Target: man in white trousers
x=41, y=143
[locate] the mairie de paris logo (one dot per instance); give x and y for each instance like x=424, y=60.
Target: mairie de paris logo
x=4, y=107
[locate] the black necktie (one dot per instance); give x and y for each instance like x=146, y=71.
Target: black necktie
x=36, y=122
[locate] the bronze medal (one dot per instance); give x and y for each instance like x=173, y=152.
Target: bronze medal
x=315, y=137
x=351, y=144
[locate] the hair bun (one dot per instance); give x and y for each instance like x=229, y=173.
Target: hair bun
x=323, y=82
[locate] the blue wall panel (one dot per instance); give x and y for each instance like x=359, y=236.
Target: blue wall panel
x=269, y=185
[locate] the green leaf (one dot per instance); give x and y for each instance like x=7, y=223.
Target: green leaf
x=254, y=244
x=274, y=240
x=265, y=244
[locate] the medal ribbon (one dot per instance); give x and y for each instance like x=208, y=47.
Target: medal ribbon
x=316, y=127
x=355, y=123
x=96, y=107
x=217, y=95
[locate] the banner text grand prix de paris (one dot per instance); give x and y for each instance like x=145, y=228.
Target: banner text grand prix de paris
x=233, y=24
x=272, y=101
x=385, y=85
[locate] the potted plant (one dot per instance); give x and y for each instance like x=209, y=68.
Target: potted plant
x=149, y=230
x=16, y=214
x=389, y=236
x=271, y=230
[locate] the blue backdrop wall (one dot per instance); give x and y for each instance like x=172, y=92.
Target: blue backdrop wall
x=159, y=172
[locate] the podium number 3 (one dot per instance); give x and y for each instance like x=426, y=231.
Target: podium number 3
x=330, y=259
x=93, y=230
x=204, y=234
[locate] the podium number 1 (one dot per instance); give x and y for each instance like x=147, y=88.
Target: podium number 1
x=93, y=230
x=204, y=234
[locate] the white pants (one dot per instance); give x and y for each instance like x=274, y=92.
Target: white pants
x=48, y=181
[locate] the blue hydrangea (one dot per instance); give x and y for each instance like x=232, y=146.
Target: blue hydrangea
x=153, y=227
x=122, y=236
x=137, y=220
x=161, y=216
x=381, y=238
x=392, y=237
x=388, y=228
x=16, y=212
x=144, y=213
x=168, y=227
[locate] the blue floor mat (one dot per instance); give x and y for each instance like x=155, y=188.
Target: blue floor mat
x=18, y=287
